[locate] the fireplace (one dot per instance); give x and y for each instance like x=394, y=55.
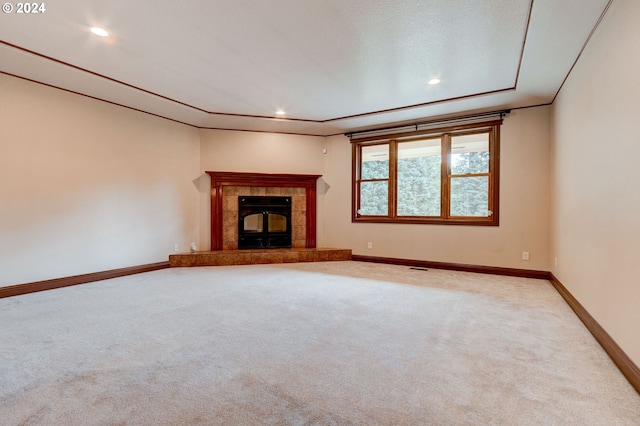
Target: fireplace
x=264, y=222
x=227, y=187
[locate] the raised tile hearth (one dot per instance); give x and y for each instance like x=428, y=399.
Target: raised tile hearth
x=250, y=257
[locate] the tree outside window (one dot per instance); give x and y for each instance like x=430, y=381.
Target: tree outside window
x=447, y=176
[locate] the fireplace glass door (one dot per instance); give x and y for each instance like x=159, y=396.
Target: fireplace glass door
x=264, y=222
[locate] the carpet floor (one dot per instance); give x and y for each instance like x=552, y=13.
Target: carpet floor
x=330, y=343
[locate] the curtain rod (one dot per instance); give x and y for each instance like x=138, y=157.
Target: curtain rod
x=431, y=123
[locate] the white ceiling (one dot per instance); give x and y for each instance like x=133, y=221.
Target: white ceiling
x=333, y=65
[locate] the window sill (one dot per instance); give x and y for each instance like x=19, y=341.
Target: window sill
x=481, y=221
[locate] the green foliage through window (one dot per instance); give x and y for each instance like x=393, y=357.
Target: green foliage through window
x=446, y=177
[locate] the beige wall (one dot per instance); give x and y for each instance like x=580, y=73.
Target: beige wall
x=86, y=186
x=524, y=208
x=595, y=197
x=123, y=187
x=234, y=151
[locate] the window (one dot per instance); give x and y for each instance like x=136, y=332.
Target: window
x=445, y=176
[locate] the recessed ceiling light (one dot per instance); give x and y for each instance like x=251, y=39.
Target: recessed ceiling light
x=434, y=81
x=280, y=112
x=99, y=32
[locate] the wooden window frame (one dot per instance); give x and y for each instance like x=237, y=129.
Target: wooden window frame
x=445, y=134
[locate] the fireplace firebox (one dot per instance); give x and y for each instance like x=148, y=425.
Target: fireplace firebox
x=264, y=222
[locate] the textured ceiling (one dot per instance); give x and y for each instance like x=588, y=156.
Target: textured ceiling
x=333, y=66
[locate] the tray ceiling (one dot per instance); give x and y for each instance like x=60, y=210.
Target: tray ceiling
x=332, y=66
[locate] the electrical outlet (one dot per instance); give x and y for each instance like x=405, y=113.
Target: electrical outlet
x=525, y=255
x=176, y=247
x=555, y=261
x=370, y=245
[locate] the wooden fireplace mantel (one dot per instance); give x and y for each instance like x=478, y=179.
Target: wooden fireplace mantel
x=221, y=179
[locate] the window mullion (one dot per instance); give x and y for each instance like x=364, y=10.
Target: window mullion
x=393, y=178
x=356, y=167
x=446, y=176
x=494, y=170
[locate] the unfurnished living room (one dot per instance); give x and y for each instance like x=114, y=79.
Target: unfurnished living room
x=319, y=212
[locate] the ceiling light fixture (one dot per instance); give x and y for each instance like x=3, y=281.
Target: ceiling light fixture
x=280, y=112
x=99, y=32
x=434, y=81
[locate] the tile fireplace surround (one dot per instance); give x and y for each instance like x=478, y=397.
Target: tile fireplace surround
x=226, y=187
x=230, y=196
